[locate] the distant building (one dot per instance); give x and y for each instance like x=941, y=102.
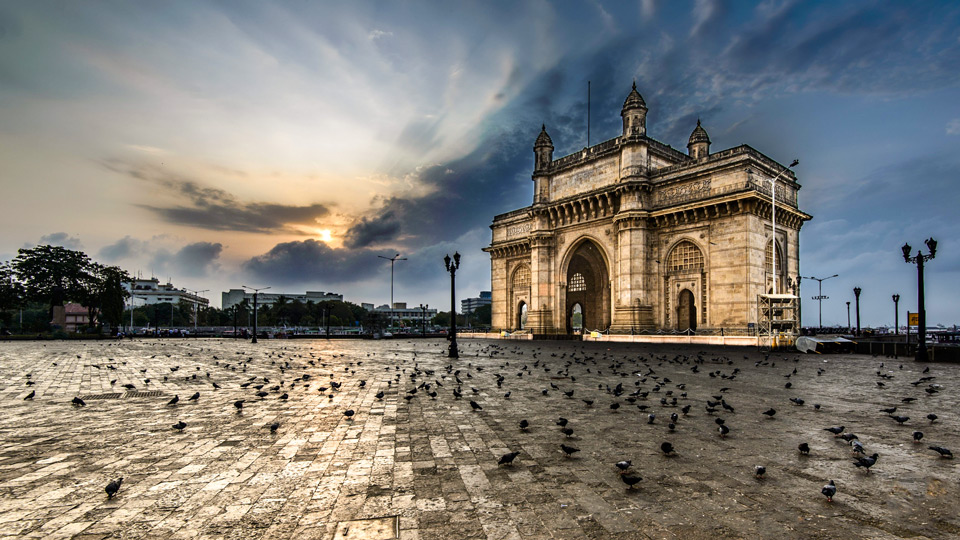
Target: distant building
x=366, y=306
x=235, y=296
x=469, y=305
x=400, y=311
x=72, y=317
x=151, y=291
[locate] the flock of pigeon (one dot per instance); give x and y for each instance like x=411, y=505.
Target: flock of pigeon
x=639, y=386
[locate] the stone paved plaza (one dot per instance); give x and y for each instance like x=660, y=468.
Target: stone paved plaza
x=418, y=467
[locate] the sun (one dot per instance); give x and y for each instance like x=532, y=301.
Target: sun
x=324, y=235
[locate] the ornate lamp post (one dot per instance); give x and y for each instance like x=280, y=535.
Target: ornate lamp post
x=255, y=293
x=919, y=259
x=856, y=293
x=452, y=268
x=896, y=314
x=392, y=260
x=849, y=329
x=423, y=319
x=820, y=297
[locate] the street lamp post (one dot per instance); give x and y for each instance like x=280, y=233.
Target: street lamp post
x=856, y=293
x=919, y=259
x=820, y=297
x=452, y=268
x=423, y=319
x=849, y=329
x=256, y=292
x=773, y=220
x=896, y=314
x=392, y=260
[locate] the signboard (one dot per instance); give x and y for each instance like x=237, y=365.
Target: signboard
x=913, y=319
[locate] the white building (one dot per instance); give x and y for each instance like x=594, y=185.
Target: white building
x=235, y=296
x=469, y=305
x=400, y=312
x=151, y=291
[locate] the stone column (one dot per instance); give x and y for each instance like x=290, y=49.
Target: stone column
x=542, y=284
x=498, y=288
x=631, y=301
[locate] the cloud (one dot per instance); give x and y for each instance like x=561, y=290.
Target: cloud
x=216, y=209
x=377, y=34
x=123, y=248
x=953, y=127
x=310, y=261
x=196, y=259
x=61, y=239
x=372, y=230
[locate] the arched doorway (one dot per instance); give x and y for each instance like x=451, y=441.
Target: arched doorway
x=576, y=323
x=686, y=311
x=522, y=316
x=588, y=288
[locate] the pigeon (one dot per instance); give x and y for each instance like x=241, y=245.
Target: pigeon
x=179, y=426
x=917, y=435
x=759, y=471
x=588, y=402
x=174, y=400
x=507, y=459
x=568, y=450
x=685, y=409
x=849, y=436
x=113, y=487
x=524, y=425
x=835, y=430
x=804, y=448
x=630, y=480
x=262, y=394
x=30, y=395
x=349, y=414
x=475, y=406
x=567, y=431
x=890, y=410
x=77, y=402
x=724, y=431
x=623, y=465
x=932, y=418
x=194, y=397
x=614, y=406
x=284, y=396
x=562, y=422
x=238, y=404
x=651, y=418
x=867, y=462
x=900, y=419
x=379, y=395
x=770, y=412
x=674, y=417
x=829, y=490
x=274, y=427
x=944, y=452
x=666, y=448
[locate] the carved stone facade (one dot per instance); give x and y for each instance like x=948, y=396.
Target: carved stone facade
x=631, y=234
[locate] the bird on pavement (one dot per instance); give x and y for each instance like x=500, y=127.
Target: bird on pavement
x=666, y=448
x=194, y=397
x=829, y=490
x=944, y=452
x=524, y=425
x=932, y=418
x=238, y=404
x=759, y=471
x=804, y=448
x=900, y=419
x=30, y=395
x=179, y=426
x=507, y=459
x=917, y=435
x=724, y=431
x=562, y=422
x=623, y=465
x=379, y=395
x=837, y=430
x=630, y=480
x=113, y=487
x=174, y=400
x=867, y=462
x=274, y=427
x=770, y=412
x=77, y=402
x=349, y=414
x=568, y=450
x=567, y=431
x=475, y=406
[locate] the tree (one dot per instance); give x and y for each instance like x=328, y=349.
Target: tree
x=483, y=315
x=442, y=319
x=11, y=291
x=113, y=295
x=52, y=274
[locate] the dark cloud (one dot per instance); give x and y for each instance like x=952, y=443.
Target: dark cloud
x=121, y=249
x=197, y=259
x=216, y=209
x=310, y=261
x=372, y=230
x=61, y=239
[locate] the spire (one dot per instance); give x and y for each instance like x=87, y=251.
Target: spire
x=699, y=144
x=699, y=135
x=634, y=100
x=543, y=140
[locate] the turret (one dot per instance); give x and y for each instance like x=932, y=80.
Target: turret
x=634, y=114
x=699, y=144
x=542, y=151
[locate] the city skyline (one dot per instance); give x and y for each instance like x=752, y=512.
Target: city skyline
x=290, y=145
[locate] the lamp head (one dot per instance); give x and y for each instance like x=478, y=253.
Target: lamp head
x=446, y=262
x=795, y=163
x=896, y=298
x=456, y=259
x=856, y=291
x=906, y=252
x=932, y=246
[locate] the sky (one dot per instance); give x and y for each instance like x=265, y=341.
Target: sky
x=288, y=144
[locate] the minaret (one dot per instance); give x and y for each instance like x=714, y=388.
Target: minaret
x=542, y=151
x=634, y=114
x=699, y=145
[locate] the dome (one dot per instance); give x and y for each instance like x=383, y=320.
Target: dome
x=699, y=135
x=634, y=100
x=543, y=139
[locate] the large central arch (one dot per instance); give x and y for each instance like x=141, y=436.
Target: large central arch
x=587, y=286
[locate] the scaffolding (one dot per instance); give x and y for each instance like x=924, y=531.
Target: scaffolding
x=777, y=324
